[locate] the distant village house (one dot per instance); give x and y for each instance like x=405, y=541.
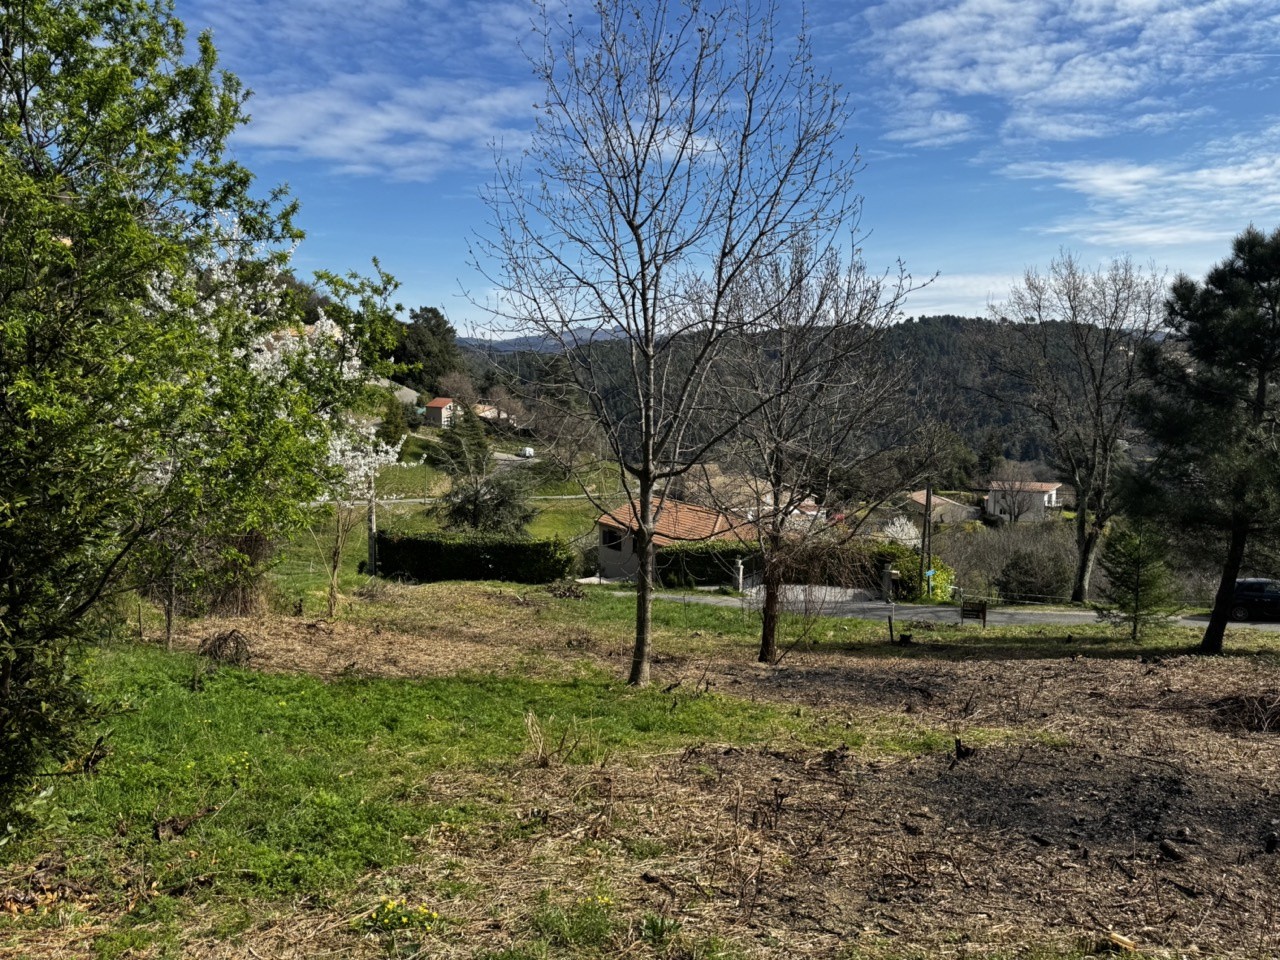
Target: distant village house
x=1022, y=499
x=942, y=509
x=440, y=412
x=674, y=522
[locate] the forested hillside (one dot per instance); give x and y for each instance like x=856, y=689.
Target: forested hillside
x=946, y=361
x=949, y=361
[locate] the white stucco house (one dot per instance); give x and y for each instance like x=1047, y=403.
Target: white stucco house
x=1022, y=499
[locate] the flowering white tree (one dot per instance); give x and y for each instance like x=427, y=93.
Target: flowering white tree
x=903, y=531
x=129, y=420
x=355, y=459
x=250, y=438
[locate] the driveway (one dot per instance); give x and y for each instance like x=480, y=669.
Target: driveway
x=833, y=602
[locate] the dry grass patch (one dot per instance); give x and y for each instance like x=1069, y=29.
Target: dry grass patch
x=878, y=802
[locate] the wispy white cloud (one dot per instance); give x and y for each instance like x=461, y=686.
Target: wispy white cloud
x=1206, y=196
x=1062, y=69
x=962, y=294
x=373, y=124
x=933, y=128
x=408, y=89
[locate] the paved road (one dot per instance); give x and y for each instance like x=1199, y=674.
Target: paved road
x=862, y=609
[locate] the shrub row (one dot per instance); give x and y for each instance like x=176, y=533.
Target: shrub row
x=428, y=557
x=706, y=563
x=857, y=564
x=907, y=562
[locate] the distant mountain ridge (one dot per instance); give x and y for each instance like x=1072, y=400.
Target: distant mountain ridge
x=537, y=343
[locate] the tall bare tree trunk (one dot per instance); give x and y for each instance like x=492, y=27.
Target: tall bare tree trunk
x=646, y=574
x=336, y=548
x=771, y=611
x=373, y=534
x=926, y=543
x=170, y=606
x=1217, y=628
x=676, y=146
x=1088, y=539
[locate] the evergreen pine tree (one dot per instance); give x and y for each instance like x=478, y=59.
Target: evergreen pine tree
x=463, y=449
x=1212, y=414
x=429, y=349
x=395, y=423
x=1139, y=592
x=480, y=498
x=497, y=503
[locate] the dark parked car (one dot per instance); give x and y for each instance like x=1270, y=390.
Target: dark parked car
x=1256, y=599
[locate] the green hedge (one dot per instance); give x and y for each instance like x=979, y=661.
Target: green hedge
x=856, y=564
x=705, y=563
x=428, y=557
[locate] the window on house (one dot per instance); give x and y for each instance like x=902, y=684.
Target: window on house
x=610, y=539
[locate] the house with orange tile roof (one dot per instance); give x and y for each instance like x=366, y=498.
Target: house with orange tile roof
x=440, y=412
x=674, y=522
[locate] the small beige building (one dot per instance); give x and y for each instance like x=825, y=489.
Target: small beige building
x=674, y=522
x=943, y=509
x=440, y=412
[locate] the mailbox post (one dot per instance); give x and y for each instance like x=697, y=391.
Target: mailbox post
x=888, y=577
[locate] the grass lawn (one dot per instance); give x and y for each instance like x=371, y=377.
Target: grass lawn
x=456, y=770
x=228, y=787
x=411, y=481
x=571, y=520
x=298, y=785
x=301, y=573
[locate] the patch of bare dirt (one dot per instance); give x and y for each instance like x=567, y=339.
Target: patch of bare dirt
x=1086, y=802
x=333, y=648
x=804, y=852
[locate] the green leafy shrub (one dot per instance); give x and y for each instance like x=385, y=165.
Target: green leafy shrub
x=705, y=563
x=1035, y=575
x=589, y=559
x=429, y=557
x=907, y=562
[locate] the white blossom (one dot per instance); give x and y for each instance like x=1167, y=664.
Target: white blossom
x=356, y=456
x=903, y=531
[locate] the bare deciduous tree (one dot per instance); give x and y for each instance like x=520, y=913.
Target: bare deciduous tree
x=811, y=397
x=1015, y=492
x=355, y=458
x=677, y=144
x=457, y=386
x=1069, y=352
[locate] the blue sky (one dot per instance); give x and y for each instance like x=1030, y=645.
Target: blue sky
x=994, y=133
